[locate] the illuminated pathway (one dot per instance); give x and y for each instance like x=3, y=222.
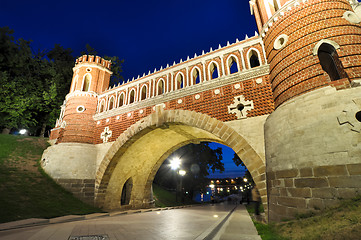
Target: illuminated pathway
x=201, y=222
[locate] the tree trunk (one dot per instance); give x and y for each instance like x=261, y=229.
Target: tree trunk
x=5, y=131
x=42, y=132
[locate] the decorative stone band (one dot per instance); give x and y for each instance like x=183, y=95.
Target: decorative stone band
x=204, y=86
x=80, y=93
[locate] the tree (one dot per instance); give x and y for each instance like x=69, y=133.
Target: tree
x=238, y=162
x=197, y=160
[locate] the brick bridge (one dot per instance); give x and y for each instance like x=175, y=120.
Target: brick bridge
x=287, y=102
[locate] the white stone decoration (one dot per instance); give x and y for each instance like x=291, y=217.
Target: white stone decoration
x=118, y=117
x=141, y=111
x=237, y=86
x=217, y=91
x=107, y=120
x=240, y=107
x=106, y=134
x=129, y=114
x=280, y=41
x=351, y=17
x=197, y=96
x=80, y=109
x=259, y=80
x=180, y=101
x=348, y=118
x=98, y=122
x=63, y=124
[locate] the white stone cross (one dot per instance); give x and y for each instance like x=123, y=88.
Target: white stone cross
x=240, y=107
x=106, y=134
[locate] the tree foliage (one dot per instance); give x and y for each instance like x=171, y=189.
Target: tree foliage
x=197, y=160
x=33, y=85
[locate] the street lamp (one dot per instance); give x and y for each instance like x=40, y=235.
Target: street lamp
x=182, y=173
x=175, y=163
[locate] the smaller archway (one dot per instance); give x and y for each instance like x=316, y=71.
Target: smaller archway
x=196, y=78
x=111, y=103
x=143, y=92
x=180, y=80
x=102, y=106
x=330, y=62
x=86, y=82
x=213, y=70
x=232, y=65
x=132, y=96
x=160, y=87
x=121, y=99
x=254, y=58
x=126, y=192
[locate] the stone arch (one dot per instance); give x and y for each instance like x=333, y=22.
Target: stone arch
x=111, y=103
x=179, y=81
x=143, y=92
x=121, y=99
x=212, y=69
x=173, y=129
x=131, y=96
x=318, y=45
x=160, y=87
x=101, y=106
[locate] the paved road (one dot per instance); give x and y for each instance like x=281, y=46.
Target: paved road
x=220, y=221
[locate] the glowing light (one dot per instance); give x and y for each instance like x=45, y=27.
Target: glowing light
x=211, y=186
x=182, y=172
x=158, y=213
x=22, y=131
x=245, y=179
x=215, y=216
x=175, y=163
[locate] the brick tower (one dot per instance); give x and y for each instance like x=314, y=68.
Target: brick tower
x=313, y=48
x=91, y=77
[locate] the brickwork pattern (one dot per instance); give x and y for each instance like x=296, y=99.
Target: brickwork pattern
x=297, y=191
x=294, y=70
x=83, y=189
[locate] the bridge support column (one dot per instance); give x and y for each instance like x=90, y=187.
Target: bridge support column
x=313, y=152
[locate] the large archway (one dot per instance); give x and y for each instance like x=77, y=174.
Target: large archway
x=140, y=150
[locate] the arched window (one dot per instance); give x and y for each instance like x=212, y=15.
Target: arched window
x=143, y=92
x=180, y=81
x=121, y=100
x=232, y=65
x=253, y=59
x=111, y=103
x=195, y=76
x=132, y=96
x=330, y=62
x=126, y=192
x=86, y=82
x=160, y=87
x=213, y=69
x=276, y=6
x=102, y=106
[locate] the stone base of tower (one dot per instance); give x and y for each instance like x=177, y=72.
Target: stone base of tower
x=73, y=166
x=313, y=152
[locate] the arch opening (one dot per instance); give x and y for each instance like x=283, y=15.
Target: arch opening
x=86, y=82
x=126, y=192
x=160, y=87
x=143, y=93
x=213, y=71
x=132, y=96
x=180, y=81
x=111, y=103
x=142, y=155
x=121, y=100
x=254, y=59
x=232, y=65
x=330, y=62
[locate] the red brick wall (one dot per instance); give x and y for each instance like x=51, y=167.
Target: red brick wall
x=294, y=69
x=214, y=105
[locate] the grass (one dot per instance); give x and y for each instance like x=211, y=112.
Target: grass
x=164, y=198
x=340, y=222
x=25, y=189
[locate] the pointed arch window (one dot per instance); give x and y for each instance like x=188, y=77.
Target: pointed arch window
x=121, y=100
x=75, y=83
x=143, y=92
x=253, y=59
x=180, y=81
x=232, y=65
x=330, y=62
x=213, y=71
x=102, y=106
x=111, y=103
x=132, y=96
x=195, y=76
x=160, y=87
x=86, y=82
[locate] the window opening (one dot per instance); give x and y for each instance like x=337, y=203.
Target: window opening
x=214, y=71
x=196, y=78
x=144, y=93
x=126, y=192
x=102, y=106
x=180, y=81
x=86, y=83
x=233, y=68
x=121, y=100
x=131, y=97
x=254, y=60
x=111, y=103
x=160, y=87
x=330, y=62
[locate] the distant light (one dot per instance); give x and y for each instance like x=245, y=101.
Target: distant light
x=207, y=193
x=215, y=216
x=182, y=172
x=245, y=179
x=186, y=192
x=22, y=131
x=175, y=163
x=211, y=186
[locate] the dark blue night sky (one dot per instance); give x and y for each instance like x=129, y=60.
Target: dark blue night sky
x=146, y=34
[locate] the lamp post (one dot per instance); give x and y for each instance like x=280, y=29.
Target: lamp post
x=182, y=173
